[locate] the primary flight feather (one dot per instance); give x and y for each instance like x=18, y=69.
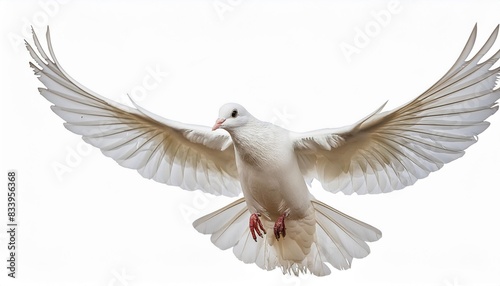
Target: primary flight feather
x=277, y=222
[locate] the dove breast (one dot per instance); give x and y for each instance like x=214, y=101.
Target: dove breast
x=269, y=173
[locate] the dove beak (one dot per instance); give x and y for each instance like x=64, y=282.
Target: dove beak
x=218, y=123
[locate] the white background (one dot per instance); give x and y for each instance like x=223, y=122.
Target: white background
x=101, y=224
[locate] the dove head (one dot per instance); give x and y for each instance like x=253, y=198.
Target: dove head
x=231, y=116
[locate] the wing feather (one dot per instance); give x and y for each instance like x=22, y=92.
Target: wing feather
x=390, y=150
x=189, y=156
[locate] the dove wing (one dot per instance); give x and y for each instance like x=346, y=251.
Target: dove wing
x=388, y=151
x=189, y=156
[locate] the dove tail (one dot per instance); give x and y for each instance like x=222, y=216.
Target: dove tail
x=339, y=237
x=336, y=238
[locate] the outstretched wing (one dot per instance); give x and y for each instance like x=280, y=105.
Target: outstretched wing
x=191, y=157
x=391, y=150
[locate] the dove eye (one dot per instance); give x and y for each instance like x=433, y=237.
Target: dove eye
x=234, y=113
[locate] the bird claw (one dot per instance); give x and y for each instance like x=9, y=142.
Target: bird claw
x=279, y=226
x=256, y=226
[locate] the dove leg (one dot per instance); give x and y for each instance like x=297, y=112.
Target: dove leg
x=256, y=226
x=279, y=226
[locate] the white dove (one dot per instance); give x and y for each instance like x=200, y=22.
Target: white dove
x=278, y=222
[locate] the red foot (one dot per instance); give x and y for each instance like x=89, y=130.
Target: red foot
x=255, y=224
x=279, y=227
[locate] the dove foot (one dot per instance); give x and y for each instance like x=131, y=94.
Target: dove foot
x=279, y=226
x=256, y=226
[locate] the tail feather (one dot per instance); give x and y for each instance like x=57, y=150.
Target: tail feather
x=358, y=228
x=336, y=240
x=340, y=238
x=225, y=225
x=228, y=227
x=260, y=252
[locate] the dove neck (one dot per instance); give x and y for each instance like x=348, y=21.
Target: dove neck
x=251, y=133
x=257, y=144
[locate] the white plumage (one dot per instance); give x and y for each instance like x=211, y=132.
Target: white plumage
x=271, y=166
